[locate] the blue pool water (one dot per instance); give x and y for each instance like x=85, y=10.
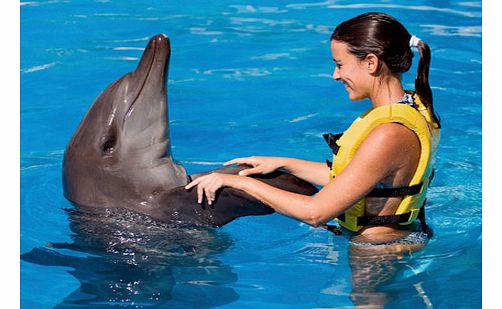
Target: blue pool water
x=246, y=77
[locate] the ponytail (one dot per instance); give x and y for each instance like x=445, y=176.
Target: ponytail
x=422, y=87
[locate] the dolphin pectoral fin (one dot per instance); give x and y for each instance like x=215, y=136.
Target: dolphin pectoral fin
x=45, y=256
x=180, y=205
x=225, y=170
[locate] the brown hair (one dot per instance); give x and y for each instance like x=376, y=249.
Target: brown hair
x=383, y=35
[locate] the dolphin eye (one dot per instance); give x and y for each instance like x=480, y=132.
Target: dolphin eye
x=108, y=145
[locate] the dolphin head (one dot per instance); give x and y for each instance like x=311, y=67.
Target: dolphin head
x=121, y=152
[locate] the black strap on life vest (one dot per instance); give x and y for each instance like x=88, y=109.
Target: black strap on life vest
x=331, y=140
x=379, y=220
x=400, y=191
x=395, y=192
x=390, y=219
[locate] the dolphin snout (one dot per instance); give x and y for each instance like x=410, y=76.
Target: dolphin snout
x=160, y=37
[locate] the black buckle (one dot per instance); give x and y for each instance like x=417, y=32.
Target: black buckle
x=331, y=140
x=333, y=229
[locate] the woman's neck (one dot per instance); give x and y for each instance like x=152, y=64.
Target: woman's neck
x=386, y=91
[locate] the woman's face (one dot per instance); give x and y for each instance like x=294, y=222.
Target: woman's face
x=351, y=71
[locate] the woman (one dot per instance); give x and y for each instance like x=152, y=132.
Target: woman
x=383, y=164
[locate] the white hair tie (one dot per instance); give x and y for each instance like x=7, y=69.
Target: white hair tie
x=414, y=41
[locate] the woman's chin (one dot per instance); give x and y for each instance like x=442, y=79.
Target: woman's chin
x=354, y=97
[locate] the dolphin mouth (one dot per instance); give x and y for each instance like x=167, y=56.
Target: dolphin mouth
x=152, y=68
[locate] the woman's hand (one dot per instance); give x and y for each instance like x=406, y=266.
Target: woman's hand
x=210, y=184
x=260, y=165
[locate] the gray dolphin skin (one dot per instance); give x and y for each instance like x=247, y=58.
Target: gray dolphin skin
x=120, y=155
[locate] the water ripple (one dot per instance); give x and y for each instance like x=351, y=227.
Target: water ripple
x=142, y=39
x=38, y=3
x=38, y=67
x=274, y=56
x=204, y=31
x=302, y=118
x=128, y=48
x=238, y=73
x=123, y=58
x=36, y=160
x=268, y=22
x=307, y=5
x=397, y=6
x=442, y=30
x=476, y=4
x=251, y=9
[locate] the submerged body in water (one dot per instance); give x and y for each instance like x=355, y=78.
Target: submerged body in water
x=122, y=257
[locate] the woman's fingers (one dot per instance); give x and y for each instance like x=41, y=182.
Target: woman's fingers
x=200, y=187
x=250, y=171
x=237, y=161
x=257, y=165
x=206, y=185
x=200, y=194
x=209, y=191
x=209, y=195
x=193, y=183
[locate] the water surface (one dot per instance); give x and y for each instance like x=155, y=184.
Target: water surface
x=245, y=78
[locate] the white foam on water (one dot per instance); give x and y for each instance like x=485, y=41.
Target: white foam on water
x=132, y=40
x=128, y=48
x=123, y=58
x=274, y=56
x=405, y=7
x=39, y=67
x=302, y=118
x=443, y=30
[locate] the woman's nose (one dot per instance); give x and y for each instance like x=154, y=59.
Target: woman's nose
x=336, y=74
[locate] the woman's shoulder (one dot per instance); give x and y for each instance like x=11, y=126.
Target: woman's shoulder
x=393, y=133
x=394, y=142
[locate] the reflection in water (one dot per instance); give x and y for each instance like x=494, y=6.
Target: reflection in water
x=132, y=260
x=380, y=275
x=373, y=267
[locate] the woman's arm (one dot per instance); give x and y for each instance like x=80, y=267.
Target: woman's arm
x=313, y=172
x=379, y=156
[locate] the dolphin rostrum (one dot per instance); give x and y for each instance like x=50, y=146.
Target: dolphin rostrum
x=120, y=155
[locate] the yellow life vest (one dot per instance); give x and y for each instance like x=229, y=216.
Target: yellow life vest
x=419, y=120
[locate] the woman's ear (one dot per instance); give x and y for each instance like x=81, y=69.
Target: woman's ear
x=372, y=64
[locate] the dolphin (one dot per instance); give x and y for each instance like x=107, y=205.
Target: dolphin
x=120, y=155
